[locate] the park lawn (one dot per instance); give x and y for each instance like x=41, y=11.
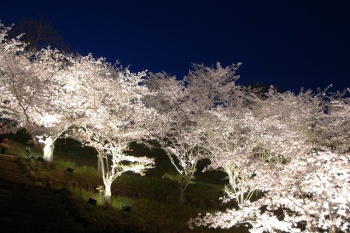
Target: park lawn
x=153, y=200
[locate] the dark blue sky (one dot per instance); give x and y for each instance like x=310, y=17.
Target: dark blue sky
x=288, y=43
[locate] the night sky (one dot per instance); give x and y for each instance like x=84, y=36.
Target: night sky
x=287, y=43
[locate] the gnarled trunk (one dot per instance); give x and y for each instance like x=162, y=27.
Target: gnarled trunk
x=333, y=229
x=48, y=149
x=106, y=177
x=108, y=193
x=182, y=195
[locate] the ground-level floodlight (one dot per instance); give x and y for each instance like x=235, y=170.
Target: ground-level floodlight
x=127, y=208
x=69, y=169
x=92, y=201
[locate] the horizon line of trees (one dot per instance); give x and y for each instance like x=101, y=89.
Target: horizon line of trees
x=294, y=148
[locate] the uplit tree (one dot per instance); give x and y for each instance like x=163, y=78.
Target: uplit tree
x=27, y=86
x=49, y=93
x=7, y=49
x=334, y=131
x=178, y=131
x=70, y=96
x=212, y=86
x=46, y=92
x=230, y=141
x=119, y=118
x=274, y=157
x=183, y=106
x=184, y=148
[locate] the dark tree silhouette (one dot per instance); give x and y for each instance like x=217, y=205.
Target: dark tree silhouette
x=38, y=33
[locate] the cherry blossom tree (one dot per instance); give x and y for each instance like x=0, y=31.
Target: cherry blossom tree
x=212, y=86
x=334, y=132
x=70, y=96
x=184, y=149
x=183, y=106
x=46, y=91
x=119, y=118
x=269, y=151
x=7, y=48
x=178, y=131
x=49, y=93
x=26, y=82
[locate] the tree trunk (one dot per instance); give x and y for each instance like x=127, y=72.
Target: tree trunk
x=182, y=195
x=48, y=149
x=108, y=193
x=333, y=229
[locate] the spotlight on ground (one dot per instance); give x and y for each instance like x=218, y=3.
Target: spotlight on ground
x=69, y=169
x=92, y=201
x=127, y=208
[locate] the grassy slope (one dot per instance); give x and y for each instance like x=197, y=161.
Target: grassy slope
x=153, y=199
